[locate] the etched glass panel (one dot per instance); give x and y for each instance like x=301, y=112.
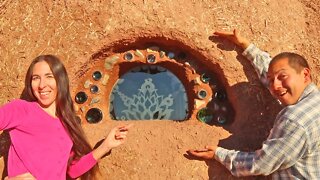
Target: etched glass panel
x=148, y=92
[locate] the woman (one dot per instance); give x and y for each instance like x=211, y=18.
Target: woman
x=47, y=141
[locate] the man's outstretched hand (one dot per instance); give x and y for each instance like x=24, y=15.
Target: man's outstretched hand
x=234, y=37
x=206, y=153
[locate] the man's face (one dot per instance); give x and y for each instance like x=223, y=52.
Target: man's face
x=285, y=83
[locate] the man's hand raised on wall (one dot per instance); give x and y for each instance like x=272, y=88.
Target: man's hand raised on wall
x=234, y=37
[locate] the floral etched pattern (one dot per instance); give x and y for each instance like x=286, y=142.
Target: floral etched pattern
x=147, y=104
x=148, y=92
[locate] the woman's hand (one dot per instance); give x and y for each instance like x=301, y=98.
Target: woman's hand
x=115, y=138
x=25, y=176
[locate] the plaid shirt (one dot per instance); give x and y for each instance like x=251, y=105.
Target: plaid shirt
x=292, y=149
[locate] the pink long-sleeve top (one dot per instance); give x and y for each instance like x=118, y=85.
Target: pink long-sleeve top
x=39, y=143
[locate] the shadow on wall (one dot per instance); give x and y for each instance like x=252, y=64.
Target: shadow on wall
x=4, y=149
x=247, y=134
x=253, y=124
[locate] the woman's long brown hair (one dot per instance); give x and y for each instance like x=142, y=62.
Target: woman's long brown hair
x=64, y=108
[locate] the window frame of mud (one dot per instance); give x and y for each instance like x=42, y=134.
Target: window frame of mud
x=194, y=76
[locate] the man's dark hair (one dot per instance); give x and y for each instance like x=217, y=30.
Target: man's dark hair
x=296, y=61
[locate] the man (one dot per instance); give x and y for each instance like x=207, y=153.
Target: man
x=292, y=149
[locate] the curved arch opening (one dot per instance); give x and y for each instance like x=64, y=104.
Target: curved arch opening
x=121, y=94
x=148, y=92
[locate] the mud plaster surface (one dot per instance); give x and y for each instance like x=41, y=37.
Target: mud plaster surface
x=77, y=31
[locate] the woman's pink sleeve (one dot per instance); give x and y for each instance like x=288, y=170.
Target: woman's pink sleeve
x=11, y=114
x=81, y=166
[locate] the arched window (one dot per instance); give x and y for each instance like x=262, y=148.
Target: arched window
x=148, y=92
x=150, y=84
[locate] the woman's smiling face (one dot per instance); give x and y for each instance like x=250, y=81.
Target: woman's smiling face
x=44, y=85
